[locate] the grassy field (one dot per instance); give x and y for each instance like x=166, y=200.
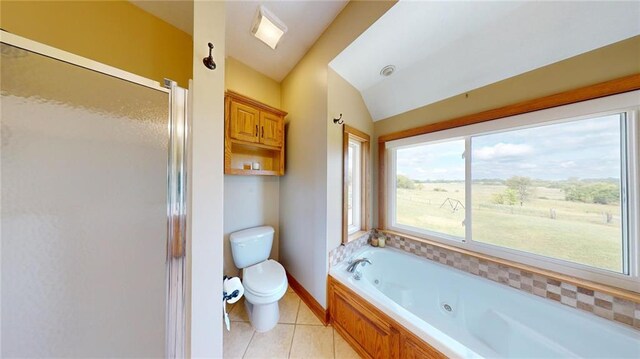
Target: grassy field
x=579, y=233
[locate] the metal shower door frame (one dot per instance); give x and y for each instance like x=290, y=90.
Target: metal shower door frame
x=177, y=221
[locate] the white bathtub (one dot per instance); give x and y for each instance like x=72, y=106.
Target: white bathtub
x=487, y=319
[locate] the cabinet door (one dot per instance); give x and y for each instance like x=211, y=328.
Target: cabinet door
x=374, y=335
x=412, y=349
x=244, y=122
x=271, y=129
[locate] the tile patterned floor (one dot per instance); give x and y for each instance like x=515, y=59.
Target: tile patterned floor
x=298, y=334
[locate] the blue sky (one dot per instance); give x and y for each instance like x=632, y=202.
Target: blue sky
x=584, y=149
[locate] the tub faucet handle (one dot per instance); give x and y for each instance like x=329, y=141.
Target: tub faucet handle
x=353, y=264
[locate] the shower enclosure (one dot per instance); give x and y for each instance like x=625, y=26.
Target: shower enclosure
x=93, y=176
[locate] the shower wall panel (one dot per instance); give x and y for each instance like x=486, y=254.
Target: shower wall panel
x=84, y=211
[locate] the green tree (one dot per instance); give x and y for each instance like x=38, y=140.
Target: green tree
x=577, y=193
x=508, y=196
x=599, y=192
x=522, y=187
x=605, y=193
x=497, y=198
x=405, y=182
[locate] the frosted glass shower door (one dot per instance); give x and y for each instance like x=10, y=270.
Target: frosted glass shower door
x=84, y=211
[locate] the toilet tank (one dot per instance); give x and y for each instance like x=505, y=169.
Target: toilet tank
x=251, y=246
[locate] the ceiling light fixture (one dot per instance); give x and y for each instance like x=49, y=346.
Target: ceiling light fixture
x=387, y=70
x=268, y=28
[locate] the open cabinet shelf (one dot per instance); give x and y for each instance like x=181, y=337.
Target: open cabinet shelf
x=243, y=155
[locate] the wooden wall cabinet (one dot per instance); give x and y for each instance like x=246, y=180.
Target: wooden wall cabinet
x=370, y=332
x=254, y=132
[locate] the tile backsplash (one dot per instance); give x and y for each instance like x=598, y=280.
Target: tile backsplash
x=345, y=251
x=599, y=303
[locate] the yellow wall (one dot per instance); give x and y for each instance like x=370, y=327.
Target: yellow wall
x=343, y=99
x=304, y=190
x=603, y=64
x=247, y=81
x=115, y=33
x=261, y=192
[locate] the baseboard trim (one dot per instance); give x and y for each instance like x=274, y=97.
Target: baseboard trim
x=307, y=298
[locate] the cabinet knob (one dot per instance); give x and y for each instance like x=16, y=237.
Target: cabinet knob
x=256, y=130
x=262, y=131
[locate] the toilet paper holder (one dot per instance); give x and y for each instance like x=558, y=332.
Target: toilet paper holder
x=231, y=295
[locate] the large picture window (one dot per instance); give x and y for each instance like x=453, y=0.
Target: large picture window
x=554, y=188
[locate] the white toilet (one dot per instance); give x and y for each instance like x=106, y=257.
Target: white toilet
x=264, y=279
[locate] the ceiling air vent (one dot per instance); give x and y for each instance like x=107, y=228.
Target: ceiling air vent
x=387, y=70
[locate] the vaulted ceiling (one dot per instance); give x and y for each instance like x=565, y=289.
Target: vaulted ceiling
x=306, y=20
x=442, y=49
x=439, y=48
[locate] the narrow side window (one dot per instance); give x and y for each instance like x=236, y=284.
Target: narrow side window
x=356, y=183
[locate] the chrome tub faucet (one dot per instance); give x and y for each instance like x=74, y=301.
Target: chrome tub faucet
x=353, y=265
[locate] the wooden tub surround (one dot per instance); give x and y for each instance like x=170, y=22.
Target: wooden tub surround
x=372, y=333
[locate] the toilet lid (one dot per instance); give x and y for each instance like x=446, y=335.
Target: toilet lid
x=264, y=278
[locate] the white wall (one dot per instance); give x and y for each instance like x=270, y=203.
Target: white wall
x=249, y=201
x=207, y=185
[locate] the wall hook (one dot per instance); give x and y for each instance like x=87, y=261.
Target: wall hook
x=208, y=61
x=338, y=120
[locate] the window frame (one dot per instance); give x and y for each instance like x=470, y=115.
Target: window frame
x=625, y=102
x=356, y=185
x=350, y=135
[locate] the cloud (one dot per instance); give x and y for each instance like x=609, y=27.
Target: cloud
x=502, y=150
x=527, y=166
x=584, y=148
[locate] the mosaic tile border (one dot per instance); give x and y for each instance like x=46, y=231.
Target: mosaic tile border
x=601, y=304
x=344, y=251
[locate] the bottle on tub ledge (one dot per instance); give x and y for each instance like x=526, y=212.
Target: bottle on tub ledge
x=374, y=240
x=378, y=239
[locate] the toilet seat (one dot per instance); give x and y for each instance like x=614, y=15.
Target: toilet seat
x=264, y=282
